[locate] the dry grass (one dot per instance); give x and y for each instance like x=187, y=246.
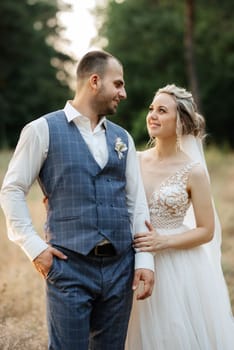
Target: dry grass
x=22, y=299
x=221, y=168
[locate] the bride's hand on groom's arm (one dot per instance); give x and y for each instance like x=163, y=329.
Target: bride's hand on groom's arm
x=150, y=241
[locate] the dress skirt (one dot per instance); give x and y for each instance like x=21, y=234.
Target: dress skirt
x=189, y=308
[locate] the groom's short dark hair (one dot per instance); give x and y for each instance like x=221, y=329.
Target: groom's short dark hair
x=93, y=62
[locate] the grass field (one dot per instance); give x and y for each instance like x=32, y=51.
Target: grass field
x=22, y=299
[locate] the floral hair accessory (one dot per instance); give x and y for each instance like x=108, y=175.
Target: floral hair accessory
x=120, y=147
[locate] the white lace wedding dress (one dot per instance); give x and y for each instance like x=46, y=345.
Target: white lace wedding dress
x=189, y=308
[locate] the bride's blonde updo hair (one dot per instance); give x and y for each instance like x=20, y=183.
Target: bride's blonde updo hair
x=189, y=121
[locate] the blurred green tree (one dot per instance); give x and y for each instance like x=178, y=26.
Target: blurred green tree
x=215, y=63
x=138, y=33
x=33, y=75
x=189, y=43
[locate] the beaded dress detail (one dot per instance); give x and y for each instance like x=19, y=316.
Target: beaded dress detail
x=189, y=308
x=169, y=204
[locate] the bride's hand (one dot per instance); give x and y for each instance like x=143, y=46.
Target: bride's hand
x=150, y=241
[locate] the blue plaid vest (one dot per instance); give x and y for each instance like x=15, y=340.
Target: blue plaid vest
x=86, y=204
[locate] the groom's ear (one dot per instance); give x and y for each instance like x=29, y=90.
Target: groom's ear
x=95, y=82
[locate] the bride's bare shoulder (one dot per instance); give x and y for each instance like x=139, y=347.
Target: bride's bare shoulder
x=144, y=154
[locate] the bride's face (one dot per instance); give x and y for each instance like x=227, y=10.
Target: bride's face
x=161, y=118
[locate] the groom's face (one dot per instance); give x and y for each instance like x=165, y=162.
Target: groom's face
x=111, y=89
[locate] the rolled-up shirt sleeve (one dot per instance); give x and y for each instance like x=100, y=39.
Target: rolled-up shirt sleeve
x=137, y=204
x=22, y=172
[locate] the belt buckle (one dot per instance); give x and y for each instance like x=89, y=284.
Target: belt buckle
x=97, y=251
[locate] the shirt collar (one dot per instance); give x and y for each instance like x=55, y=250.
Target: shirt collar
x=72, y=114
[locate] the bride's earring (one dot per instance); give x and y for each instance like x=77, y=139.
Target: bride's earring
x=178, y=133
x=178, y=143
x=151, y=142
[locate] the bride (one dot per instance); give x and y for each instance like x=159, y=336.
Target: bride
x=189, y=308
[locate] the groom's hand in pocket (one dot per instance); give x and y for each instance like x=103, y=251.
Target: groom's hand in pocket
x=43, y=261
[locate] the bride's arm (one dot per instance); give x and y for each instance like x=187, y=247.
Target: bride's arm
x=199, y=189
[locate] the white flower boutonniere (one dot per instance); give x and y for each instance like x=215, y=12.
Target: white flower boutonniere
x=120, y=147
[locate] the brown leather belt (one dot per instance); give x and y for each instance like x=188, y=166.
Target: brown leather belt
x=103, y=250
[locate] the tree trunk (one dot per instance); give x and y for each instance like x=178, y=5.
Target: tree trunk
x=189, y=50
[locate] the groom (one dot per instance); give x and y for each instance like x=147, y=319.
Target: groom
x=87, y=169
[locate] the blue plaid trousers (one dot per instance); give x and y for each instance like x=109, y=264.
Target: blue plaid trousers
x=89, y=301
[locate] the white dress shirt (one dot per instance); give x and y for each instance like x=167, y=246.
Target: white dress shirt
x=31, y=152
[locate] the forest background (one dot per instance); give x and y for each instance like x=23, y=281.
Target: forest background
x=187, y=42
x=190, y=43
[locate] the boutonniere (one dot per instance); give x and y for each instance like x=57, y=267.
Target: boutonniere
x=120, y=147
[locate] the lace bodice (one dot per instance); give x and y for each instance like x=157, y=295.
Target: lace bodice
x=169, y=204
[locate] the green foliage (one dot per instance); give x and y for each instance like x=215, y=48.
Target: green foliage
x=215, y=62
x=132, y=28
x=30, y=65
x=148, y=37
